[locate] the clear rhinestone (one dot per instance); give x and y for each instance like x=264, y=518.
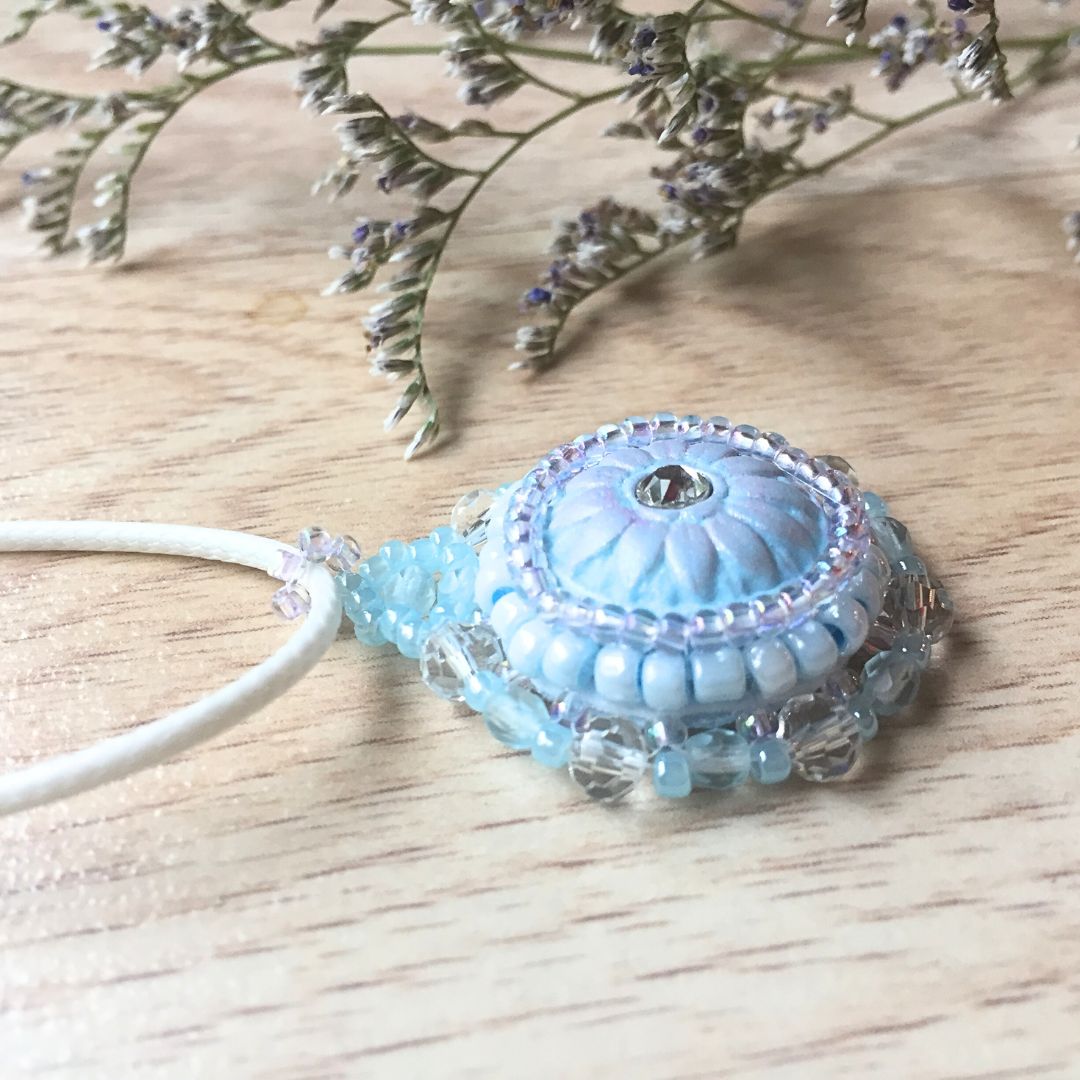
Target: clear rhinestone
x=841, y=465
x=454, y=653
x=470, y=517
x=345, y=557
x=822, y=735
x=291, y=601
x=608, y=757
x=673, y=487
x=316, y=543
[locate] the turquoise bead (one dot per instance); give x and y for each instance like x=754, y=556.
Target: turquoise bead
x=376, y=568
x=718, y=759
x=425, y=554
x=478, y=687
x=893, y=538
x=671, y=774
x=770, y=762
x=409, y=634
x=395, y=552
x=413, y=588
x=514, y=714
x=366, y=628
x=444, y=536
x=551, y=747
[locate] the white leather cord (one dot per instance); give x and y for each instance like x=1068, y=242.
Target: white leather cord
x=151, y=743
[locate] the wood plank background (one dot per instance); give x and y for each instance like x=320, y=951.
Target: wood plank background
x=359, y=882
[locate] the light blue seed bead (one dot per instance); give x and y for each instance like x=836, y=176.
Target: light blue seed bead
x=526, y=648
x=875, y=505
x=893, y=538
x=443, y=535
x=719, y=675
x=568, y=661
x=718, y=759
x=861, y=707
x=663, y=680
x=358, y=595
x=425, y=554
x=891, y=681
x=770, y=762
x=395, y=552
x=671, y=774
x=376, y=568
x=616, y=674
x=551, y=747
x=514, y=715
x=478, y=687
x=366, y=629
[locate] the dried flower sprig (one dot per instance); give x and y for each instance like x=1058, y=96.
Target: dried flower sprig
x=729, y=125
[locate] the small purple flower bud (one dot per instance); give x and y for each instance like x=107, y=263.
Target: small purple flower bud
x=960, y=5
x=103, y=25
x=361, y=233
x=402, y=228
x=700, y=134
x=669, y=191
x=886, y=56
x=643, y=38
x=820, y=122
x=899, y=22
x=639, y=67
x=537, y=296
x=960, y=26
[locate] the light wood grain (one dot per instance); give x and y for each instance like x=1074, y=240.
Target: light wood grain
x=358, y=882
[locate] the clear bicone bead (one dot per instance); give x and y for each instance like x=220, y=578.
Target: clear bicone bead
x=316, y=543
x=822, y=736
x=718, y=759
x=470, y=517
x=454, y=653
x=291, y=601
x=608, y=757
x=892, y=680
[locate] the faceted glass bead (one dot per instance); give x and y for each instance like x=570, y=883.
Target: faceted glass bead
x=671, y=774
x=470, y=517
x=608, y=757
x=413, y=588
x=345, y=557
x=316, y=543
x=291, y=601
x=841, y=465
x=718, y=759
x=366, y=628
x=892, y=681
x=861, y=707
x=551, y=747
x=823, y=737
x=514, y=715
x=758, y=724
x=770, y=760
x=455, y=652
x=673, y=487
x=940, y=611
x=875, y=505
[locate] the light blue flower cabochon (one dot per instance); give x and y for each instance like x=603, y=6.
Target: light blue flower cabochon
x=679, y=567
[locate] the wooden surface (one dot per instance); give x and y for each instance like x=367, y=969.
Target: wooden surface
x=358, y=882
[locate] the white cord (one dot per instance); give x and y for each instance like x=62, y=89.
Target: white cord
x=151, y=743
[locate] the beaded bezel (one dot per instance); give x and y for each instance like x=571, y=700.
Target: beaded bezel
x=772, y=612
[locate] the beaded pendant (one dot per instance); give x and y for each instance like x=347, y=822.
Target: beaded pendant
x=686, y=598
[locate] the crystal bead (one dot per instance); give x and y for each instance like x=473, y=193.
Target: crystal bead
x=892, y=537
x=915, y=646
x=822, y=736
x=551, y=747
x=840, y=465
x=409, y=634
x=608, y=757
x=345, y=557
x=673, y=487
x=667, y=731
x=891, y=680
x=291, y=601
x=470, y=517
x=514, y=715
x=396, y=553
x=770, y=760
x=366, y=628
x=671, y=774
x=358, y=595
x=454, y=652
x=316, y=543
x=718, y=759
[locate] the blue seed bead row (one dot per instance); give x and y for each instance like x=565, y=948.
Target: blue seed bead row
x=401, y=593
